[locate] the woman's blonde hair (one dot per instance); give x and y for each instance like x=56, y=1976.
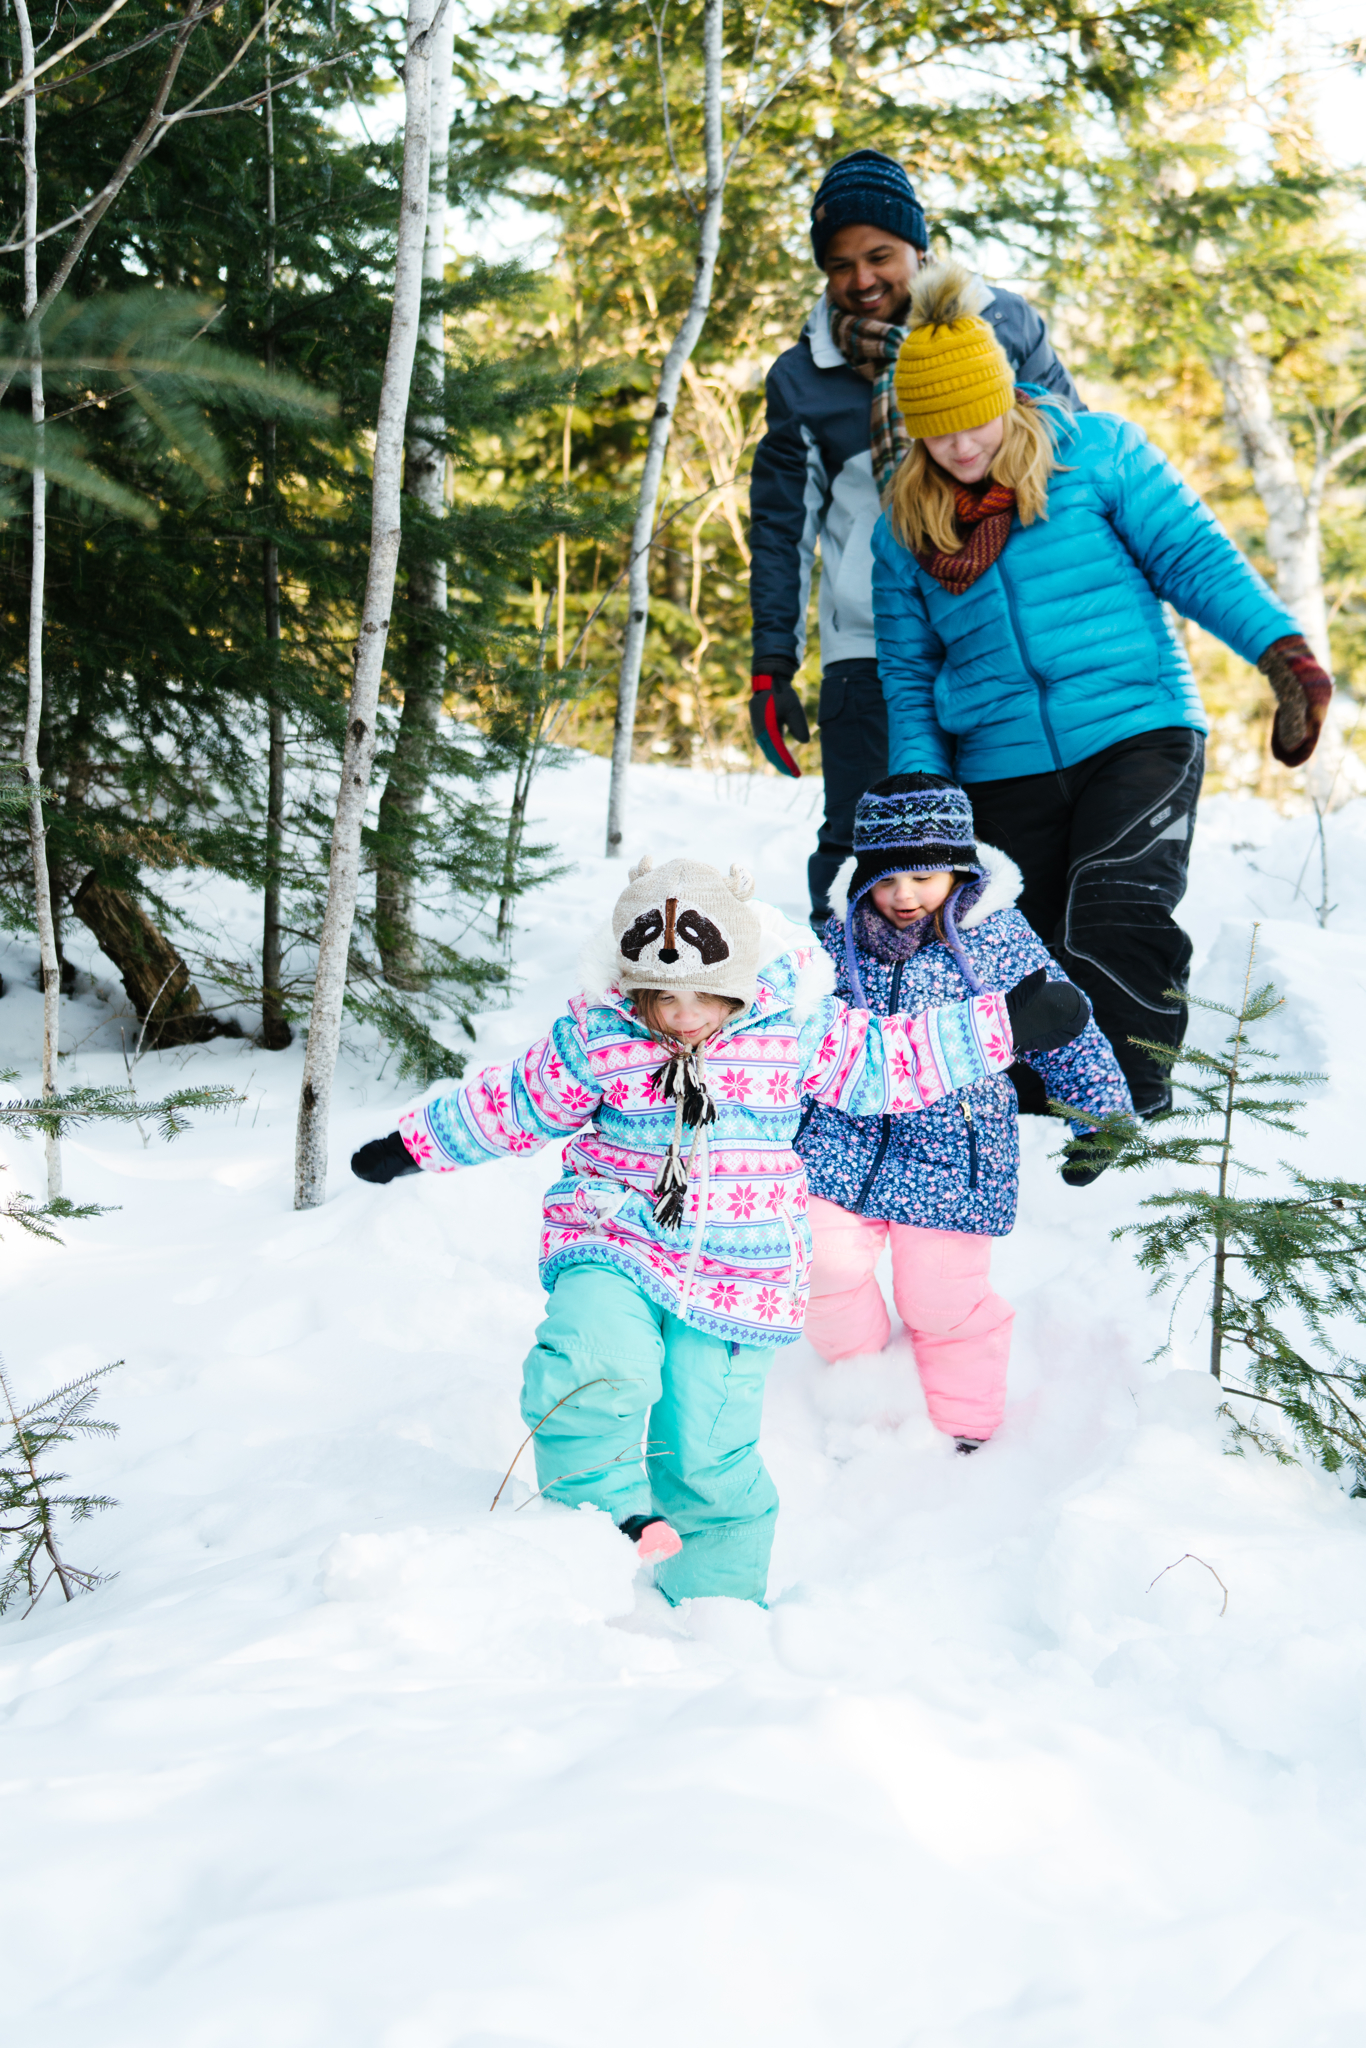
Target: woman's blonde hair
x=920, y=504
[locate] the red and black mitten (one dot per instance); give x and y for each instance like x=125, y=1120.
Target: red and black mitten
x=1303, y=693
x=775, y=708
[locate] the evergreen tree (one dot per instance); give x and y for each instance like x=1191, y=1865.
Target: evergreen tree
x=1224, y=284
x=191, y=663
x=583, y=143
x=30, y=1500
x=1286, y=1271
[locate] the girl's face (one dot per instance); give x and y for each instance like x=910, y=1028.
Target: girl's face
x=968, y=456
x=690, y=1017
x=904, y=899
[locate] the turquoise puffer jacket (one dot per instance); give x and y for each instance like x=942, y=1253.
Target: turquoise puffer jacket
x=1062, y=648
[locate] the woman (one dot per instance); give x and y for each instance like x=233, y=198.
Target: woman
x=1021, y=570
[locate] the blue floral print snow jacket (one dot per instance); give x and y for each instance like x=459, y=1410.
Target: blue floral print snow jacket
x=956, y=1166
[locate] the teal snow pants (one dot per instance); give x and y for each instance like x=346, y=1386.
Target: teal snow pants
x=694, y=1402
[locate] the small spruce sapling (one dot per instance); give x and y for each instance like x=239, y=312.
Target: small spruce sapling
x=29, y=1496
x=1286, y=1270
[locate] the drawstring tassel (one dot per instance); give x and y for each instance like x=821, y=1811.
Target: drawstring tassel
x=684, y=1077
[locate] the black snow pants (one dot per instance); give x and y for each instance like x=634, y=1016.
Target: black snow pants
x=1103, y=847
x=853, y=723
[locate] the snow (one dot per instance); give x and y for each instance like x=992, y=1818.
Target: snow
x=342, y=1760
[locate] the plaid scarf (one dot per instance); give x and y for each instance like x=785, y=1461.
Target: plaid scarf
x=871, y=347
x=985, y=519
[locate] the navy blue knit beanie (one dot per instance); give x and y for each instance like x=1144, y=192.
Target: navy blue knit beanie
x=866, y=189
x=912, y=825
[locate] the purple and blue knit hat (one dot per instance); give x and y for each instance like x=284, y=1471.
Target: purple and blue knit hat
x=866, y=189
x=914, y=825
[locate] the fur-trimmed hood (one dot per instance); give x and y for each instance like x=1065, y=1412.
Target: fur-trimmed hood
x=1003, y=886
x=804, y=983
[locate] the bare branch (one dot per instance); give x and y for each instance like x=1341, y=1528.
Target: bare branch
x=144, y=141
x=1191, y=1558
x=761, y=107
x=168, y=28
x=743, y=94
x=238, y=54
x=658, y=27
x=601, y=1381
x=1345, y=452
x=256, y=99
x=23, y=83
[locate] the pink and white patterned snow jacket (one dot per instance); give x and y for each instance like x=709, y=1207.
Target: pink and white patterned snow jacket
x=739, y=1265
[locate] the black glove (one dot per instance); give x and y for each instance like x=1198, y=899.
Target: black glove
x=1045, y=1015
x=775, y=708
x=1079, y=1176
x=383, y=1159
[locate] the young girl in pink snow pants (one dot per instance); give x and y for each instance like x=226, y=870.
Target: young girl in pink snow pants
x=930, y=916
x=675, y=1247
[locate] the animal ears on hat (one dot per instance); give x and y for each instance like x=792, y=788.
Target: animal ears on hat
x=739, y=881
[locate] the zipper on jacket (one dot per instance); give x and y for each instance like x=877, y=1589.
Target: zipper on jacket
x=885, y=1137
x=972, y=1143
x=1030, y=670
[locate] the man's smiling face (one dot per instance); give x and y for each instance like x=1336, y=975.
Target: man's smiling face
x=870, y=272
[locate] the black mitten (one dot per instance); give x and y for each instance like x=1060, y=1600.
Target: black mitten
x=383, y=1159
x=1045, y=1015
x=775, y=708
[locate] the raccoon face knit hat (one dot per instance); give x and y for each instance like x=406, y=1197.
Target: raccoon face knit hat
x=687, y=926
x=951, y=373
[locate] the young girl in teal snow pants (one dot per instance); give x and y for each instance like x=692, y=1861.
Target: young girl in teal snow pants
x=675, y=1245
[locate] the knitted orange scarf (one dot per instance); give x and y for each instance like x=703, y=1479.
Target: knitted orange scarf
x=986, y=519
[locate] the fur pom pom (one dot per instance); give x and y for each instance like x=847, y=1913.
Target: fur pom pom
x=943, y=293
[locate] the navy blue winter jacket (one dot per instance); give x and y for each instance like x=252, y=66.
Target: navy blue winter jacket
x=1062, y=647
x=956, y=1166
x=813, y=480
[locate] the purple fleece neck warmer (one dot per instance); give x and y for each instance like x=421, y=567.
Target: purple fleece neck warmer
x=866, y=930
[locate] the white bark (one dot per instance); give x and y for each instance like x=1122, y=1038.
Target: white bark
x=424, y=478
x=1293, y=537
x=1294, y=540
x=324, y=1037
x=50, y=964
x=661, y=426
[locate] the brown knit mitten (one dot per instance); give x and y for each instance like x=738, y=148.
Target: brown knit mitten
x=1302, y=691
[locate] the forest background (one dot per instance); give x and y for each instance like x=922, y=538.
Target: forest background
x=227, y=178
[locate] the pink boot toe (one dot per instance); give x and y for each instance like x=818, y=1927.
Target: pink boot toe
x=657, y=1542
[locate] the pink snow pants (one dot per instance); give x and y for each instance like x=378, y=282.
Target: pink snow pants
x=941, y=1285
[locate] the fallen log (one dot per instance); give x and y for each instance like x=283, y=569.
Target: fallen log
x=155, y=977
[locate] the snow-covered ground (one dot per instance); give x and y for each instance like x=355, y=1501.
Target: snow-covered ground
x=342, y=1760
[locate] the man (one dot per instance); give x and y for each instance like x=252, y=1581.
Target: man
x=814, y=480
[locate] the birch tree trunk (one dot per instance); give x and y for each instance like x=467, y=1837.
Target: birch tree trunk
x=49, y=958
x=661, y=426
x=324, y=1036
x=425, y=479
x=1294, y=539
x=275, y=1031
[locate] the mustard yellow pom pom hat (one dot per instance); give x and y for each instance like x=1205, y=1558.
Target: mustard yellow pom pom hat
x=951, y=373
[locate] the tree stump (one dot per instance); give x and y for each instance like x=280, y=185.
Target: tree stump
x=154, y=975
